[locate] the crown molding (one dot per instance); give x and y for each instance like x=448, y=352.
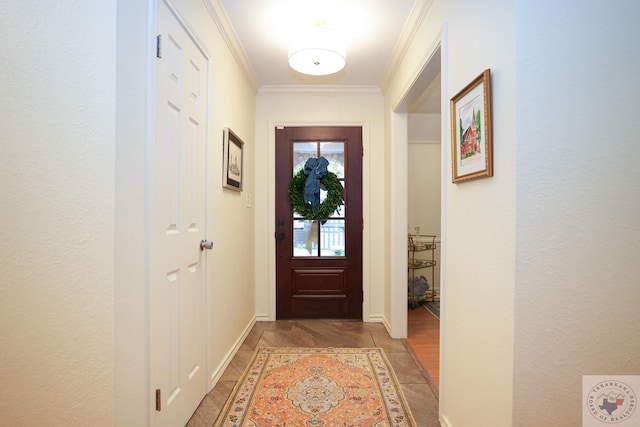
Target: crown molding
x=415, y=19
x=221, y=19
x=310, y=89
x=230, y=37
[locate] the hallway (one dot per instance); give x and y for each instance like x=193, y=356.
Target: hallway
x=324, y=333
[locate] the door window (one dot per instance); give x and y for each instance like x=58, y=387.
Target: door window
x=320, y=238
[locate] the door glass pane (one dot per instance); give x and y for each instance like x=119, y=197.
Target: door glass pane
x=332, y=238
x=311, y=238
x=334, y=152
x=304, y=243
x=301, y=152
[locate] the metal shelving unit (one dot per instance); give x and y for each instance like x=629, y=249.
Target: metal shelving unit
x=421, y=255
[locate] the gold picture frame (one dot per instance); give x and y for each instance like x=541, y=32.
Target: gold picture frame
x=471, y=132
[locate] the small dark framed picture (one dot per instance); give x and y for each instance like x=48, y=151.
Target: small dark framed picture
x=232, y=163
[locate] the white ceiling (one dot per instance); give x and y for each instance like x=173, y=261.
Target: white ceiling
x=371, y=29
x=374, y=30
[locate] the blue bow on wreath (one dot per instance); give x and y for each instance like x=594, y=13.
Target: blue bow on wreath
x=314, y=169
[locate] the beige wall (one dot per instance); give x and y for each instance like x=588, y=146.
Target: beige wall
x=477, y=298
x=75, y=132
x=529, y=300
x=424, y=166
x=132, y=407
x=320, y=107
x=57, y=133
x=425, y=169
x=423, y=199
x=576, y=283
x=424, y=187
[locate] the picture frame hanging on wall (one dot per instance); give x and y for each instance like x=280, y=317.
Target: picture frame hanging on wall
x=232, y=160
x=471, y=131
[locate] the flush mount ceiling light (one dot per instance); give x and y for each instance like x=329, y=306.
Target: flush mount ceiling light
x=317, y=51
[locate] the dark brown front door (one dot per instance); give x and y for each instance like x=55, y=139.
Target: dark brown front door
x=319, y=264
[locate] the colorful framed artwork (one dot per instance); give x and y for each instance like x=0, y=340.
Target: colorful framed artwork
x=471, y=135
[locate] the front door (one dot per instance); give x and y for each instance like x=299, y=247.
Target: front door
x=177, y=292
x=319, y=263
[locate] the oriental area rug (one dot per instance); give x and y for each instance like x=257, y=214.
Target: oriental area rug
x=317, y=387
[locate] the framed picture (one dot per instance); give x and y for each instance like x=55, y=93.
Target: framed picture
x=232, y=163
x=471, y=139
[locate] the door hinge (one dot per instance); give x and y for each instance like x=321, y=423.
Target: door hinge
x=158, y=46
x=158, y=400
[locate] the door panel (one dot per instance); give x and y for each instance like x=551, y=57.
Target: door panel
x=177, y=224
x=319, y=263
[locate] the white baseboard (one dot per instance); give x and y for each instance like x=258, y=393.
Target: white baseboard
x=375, y=318
x=379, y=318
x=217, y=373
x=444, y=421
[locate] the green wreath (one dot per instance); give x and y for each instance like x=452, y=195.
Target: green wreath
x=329, y=205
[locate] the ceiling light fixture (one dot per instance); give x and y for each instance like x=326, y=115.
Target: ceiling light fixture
x=317, y=51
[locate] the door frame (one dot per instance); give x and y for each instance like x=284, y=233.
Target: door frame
x=399, y=196
x=399, y=208
x=271, y=213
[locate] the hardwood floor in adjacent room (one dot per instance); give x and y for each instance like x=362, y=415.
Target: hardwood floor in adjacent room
x=423, y=339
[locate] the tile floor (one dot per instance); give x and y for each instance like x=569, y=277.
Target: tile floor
x=325, y=333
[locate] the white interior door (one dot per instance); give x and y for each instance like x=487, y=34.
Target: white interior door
x=177, y=224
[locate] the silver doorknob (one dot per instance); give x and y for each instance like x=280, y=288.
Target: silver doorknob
x=205, y=245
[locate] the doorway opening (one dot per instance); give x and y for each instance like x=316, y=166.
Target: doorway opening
x=422, y=105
